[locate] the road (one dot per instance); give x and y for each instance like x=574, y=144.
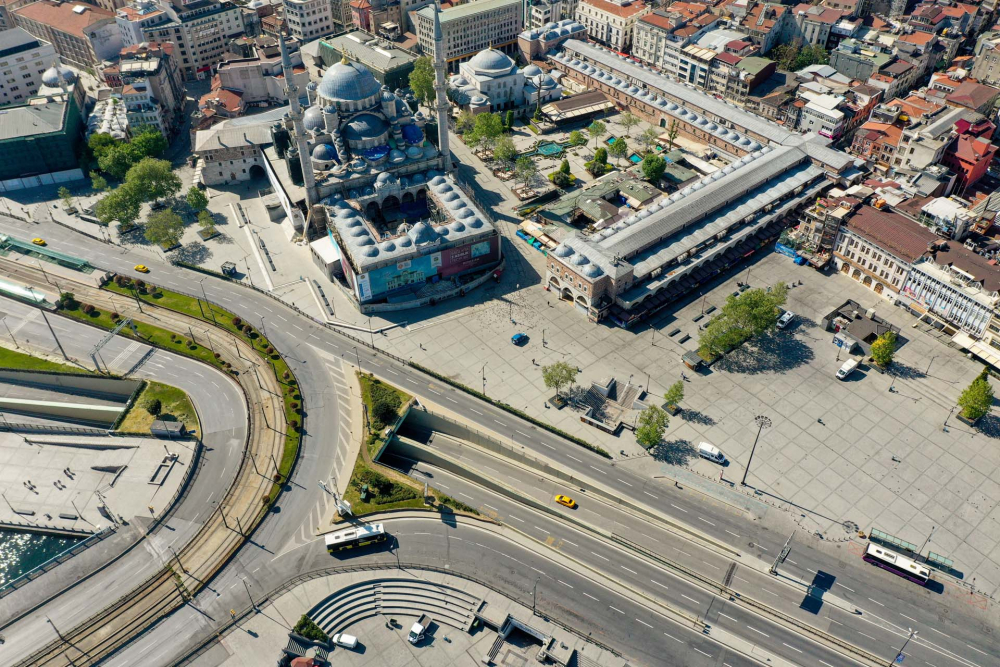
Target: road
x=310, y=346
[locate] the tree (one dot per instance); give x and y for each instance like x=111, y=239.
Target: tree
x=308, y=629
x=422, y=79
x=153, y=406
x=465, y=122
x=750, y=314
x=196, y=199
x=509, y=120
x=66, y=196
x=525, y=170
x=652, y=168
x=164, y=228
x=98, y=182
x=652, y=424
x=977, y=399
x=618, y=150
x=116, y=160
x=149, y=141
x=674, y=394
x=558, y=375
x=504, y=151
x=599, y=164
x=122, y=205
x=154, y=178
x=564, y=167
x=100, y=142
x=486, y=130
x=206, y=222
x=596, y=130
x=884, y=348
x=628, y=121
x=672, y=133
x=648, y=139
x=576, y=138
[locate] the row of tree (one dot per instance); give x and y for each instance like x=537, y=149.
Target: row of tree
x=115, y=157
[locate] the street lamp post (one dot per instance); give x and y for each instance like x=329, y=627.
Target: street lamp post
x=484, y=378
x=358, y=355
x=201, y=283
x=762, y=423
x=9, y=333
x=896, y=658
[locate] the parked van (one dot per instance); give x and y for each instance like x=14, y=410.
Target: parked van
x=785, y=319
x=711, y=452
x=345, y=640
x=849, y=366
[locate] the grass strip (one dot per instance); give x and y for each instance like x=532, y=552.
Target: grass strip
x=174, y=406
x=25, y=362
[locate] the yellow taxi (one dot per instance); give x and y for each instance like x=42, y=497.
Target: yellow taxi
x=142, y=268
x=566, y=500
x=38, y=241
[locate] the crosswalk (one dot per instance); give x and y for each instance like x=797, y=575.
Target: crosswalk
x=120, y=362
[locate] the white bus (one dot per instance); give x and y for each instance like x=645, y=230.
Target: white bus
x=897, y=564
x=358, y=536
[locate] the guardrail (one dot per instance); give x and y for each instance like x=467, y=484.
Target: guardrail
x=58, y=559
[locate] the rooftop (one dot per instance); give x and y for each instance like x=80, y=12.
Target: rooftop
x=468, y=9
x=951, y=254
x=624, y=11
x=64, y=17
x=367, y=49
x=895, y=233
x=17, y=40
x=36, y=117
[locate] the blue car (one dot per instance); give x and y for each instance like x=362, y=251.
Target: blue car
x=519, y=339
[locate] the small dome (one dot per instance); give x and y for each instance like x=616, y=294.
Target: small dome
x=457, y=226
x=57, y=75
x=388, y=246
x=421, y=233
x=414, y=152
x=437, y=180
x=563, y=251
x=313, y=118
x=396, y=155
x=532, y=70
x=464, y=213
x=404, y=242
x=324, y=153
x=384, y=177
x=365, y=126
x=370, y=251
x=475, y=223
x=312, y=84
x=418, y=179
x=580, y=260
x=449, y=196
x=593, y=271
x=443, y=231
x=459, y=80
x=365, y=240
x=429, y=151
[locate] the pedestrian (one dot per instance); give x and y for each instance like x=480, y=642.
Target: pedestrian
x=683, y=376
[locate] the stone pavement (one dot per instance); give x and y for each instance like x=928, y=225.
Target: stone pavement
x=259, y=638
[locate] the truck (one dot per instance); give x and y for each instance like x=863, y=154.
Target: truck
x=418, y=629
x=849, y=367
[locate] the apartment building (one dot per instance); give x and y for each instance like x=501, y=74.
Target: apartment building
x=200, y=30
x=611, y=22
x=470, y=28
x=23, y=60
x=308, y=19
x=877, y=143
x=82, y=35
x=152, y=85
x=258, y=78
x=765, y=24
x=539, y=13
x=132, y=19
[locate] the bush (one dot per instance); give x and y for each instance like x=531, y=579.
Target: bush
x=237, y=322
x=561, y=180
x=306, y=628
x=153, y=406
x=382, y=489
x=88, y=309
x=385, y=404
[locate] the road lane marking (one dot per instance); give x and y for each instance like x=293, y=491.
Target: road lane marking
x=392, y=371
x=498, y=422
x=908, y=618
x=628, y=569
x=977, y=650
x=771, y=592
x=616, y=609
x=689, y=598
x=743, y=580
x=477, y=412
x=449, y=398
x=683, y=552
x=864, y=635
x=852, y=590
x=792, y=647
x=544, y=530
x=564, y=583
x=537, y=570
x=659, y=584
x=679, y=508
x=732, y=533
x=728, y=616
x=639, y=620
x=706, y=521
x=491, y=507
x=569, y=456
x=674, y=638
x=829, y=665
x=758, y=631
x=464, y=495
x=650, y=495
x=599, y=470
x=623, y=481
x=568, y=542
x=433, y=392
x=877, y=602
x=411, y=380
x=791, y=561
x=591, y=597
x=941, y=633
x=509, y=515
x=522, y=433
x=600, y=556
x=649, y=537
x=837, y=622
x=702, y=652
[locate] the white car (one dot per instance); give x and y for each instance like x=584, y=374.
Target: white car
x=786, y=318
x=345, y=640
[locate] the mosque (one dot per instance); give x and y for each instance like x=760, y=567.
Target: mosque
x=490, y=81
x=376, y=192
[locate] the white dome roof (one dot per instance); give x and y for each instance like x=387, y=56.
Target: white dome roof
x=491, y=61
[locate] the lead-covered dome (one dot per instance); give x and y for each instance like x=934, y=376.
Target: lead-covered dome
x=349, y=82
x=57, y=75
x=365, y=126
x=491, y=61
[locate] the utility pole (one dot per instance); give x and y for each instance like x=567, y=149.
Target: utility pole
x=358, y=355
x=899, y=656
x=10, y=333
x=201, y=283
x=252, y=603
x=785, y=550
x=534, y=592
x=933, y=528
x=484, y=378
x=762, y=423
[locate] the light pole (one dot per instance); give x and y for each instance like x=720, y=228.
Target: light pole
x=929, y=535
x=201, y=283
x=534, y=592
x=898, y=657
x=252, y=603
x=370, y=332
x=762, y=423
x=484, y=378
x=782, y=555
x=358, y=355
x=9, y=332
x=263, y=330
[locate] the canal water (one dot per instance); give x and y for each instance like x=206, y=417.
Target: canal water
x=21, y=551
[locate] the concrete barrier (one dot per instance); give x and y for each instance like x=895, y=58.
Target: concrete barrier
x=93, y=385
x=80, y=412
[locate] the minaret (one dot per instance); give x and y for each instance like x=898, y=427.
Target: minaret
x=439, y=90
x=295, y=114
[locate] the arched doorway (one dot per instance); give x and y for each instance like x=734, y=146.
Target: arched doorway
x=407, y=197
x=372, y=212
x=421, y=193
x=845, y=268
x=867, y=282
x=256, y=171
x=554, y=283
x=390, y=207
x=878, y=288
x=856, y=275
x=567, y=295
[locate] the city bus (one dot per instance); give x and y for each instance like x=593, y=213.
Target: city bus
x=359, y=536
x=897, y=564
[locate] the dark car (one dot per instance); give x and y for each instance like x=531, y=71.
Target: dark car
x=519, y=339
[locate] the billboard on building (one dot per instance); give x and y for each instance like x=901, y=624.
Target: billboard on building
x=469, y=256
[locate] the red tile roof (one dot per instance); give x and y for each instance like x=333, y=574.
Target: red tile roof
x=969, y=149
x=729, y=58
x=895, y=233
x=950, y=253
x=972, y=95
x=617, y=10
x=916, y=38
x=61, y=17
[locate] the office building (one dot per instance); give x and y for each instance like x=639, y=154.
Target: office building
x=470, y=28
x=23, y=59
x=82, y=35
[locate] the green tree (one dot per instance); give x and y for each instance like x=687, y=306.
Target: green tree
x=596, y=130
x=576, y=138
x=153, y=406
x=308, y=629
x=465, y=122
x=977, y=399
x=154, y=178
x=100, y=142
x=149, y=141
x=525, y=170
x=652, y=425
x=197, y=199
x=558, y=375
x=599, y=164
x=116, y=160
x=122, y=205
x=98, y=182
x=66, y=196
x=674, y=394
x=422, y=79
x=618, y=150
x=652, y=167
x=628, y=121
x=742, y=317
x=486, y=130
x=509, y=120
x=164, y=228
x=206, y=222
x=564, y=167
x=672, y=133
x=648, y=139
x=504, y=151
x=884, y=348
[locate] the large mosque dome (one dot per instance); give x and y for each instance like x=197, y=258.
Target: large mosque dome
x=348, y=82
x=491, y=61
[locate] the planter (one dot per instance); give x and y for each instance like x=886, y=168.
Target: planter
x=671, y=409
x=558, y=402
x=206, y=235
x=967, y=422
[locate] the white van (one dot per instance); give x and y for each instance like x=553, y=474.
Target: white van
x=786, y=318
x=345, y=640
x=711, y=452
x=849, y=366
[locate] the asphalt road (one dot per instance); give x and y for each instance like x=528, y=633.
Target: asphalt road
x=222, y=414
x=301, y=340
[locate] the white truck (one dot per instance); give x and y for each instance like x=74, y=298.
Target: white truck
x=418, y=629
